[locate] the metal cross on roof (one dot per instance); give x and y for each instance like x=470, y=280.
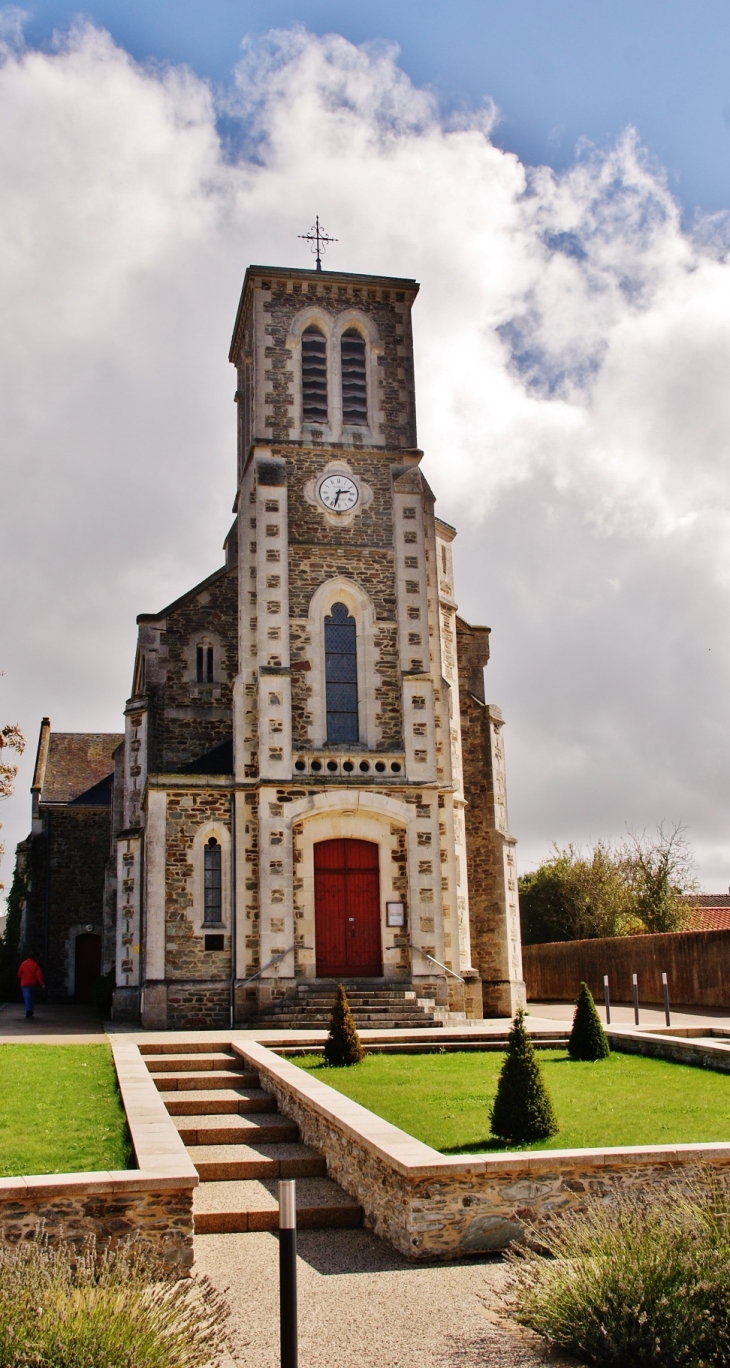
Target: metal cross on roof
x=318, y=239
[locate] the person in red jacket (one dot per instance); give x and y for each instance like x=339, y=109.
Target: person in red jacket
x=30, y=978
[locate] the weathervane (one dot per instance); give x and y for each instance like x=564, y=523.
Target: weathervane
x=318, y=239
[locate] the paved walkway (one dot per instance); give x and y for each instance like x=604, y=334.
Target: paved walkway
x=622, y=1014
x=361, y=1305
x=52, y=1024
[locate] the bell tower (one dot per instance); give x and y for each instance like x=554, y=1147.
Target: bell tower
x=350, y=831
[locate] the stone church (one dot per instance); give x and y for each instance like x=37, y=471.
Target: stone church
x=311, y=785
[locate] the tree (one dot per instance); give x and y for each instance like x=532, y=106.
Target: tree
x=572, y=896
x=645, y=883
x=661, y=872
x=342, y=1045
x=523, y=1108
x=588, y=1040
x=11, y=738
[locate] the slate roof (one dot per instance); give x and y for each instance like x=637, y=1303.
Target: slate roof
x=74, y=767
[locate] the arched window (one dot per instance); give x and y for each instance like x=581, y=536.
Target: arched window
x=212, y=885
x=340, y=657
x=314, y=376
x=204, y=663
x=354, y=383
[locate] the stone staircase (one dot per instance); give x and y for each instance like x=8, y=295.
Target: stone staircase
x=373, y=1007
x=240, y=1144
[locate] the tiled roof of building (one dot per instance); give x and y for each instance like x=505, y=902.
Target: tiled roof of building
x=711, y=912
x=69, y=764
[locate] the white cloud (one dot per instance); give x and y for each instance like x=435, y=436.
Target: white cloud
x=572, y=349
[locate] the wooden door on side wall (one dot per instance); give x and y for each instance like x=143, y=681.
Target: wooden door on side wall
x=88, y=966
x=347, y=909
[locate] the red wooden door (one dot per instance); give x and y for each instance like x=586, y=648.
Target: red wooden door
x=88, y=966
x=347, y=909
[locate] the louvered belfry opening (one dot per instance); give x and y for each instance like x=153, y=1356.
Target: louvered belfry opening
x=314, y=376
x=354, y=382
x=340, y=649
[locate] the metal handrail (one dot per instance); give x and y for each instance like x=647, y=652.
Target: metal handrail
x=282, y=954
x=445, y=967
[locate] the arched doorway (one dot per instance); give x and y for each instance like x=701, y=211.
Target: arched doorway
x=87, y=966
x=347, y=909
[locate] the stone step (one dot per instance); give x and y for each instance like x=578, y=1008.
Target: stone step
x=216, y=1163
x=158, y=1047
x=223, y=1078
x=316, y=995
x=297, y=1023
x=220, y=1102
x=237, y=1130
x=240, y=1206
x=191, y=1063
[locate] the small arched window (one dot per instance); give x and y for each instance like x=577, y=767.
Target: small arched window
x=204, y=664
x=354, y=381
x=340, y=654
x=212, y=882
x=314, y=376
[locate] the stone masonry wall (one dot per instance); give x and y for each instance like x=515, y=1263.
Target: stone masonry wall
x=185, y=956
x=188, y=718
x=430, y=1206
x=391, y=316
x=79, y=843
x=159, y=1220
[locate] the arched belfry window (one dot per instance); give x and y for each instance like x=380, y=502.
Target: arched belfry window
x=314, y=376
x=354, y=382
x=212, y=882
x=340, y=654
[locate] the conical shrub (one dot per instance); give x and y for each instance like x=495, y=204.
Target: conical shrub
x=588, y=1040
x=523, y=1109
x=342, y=1045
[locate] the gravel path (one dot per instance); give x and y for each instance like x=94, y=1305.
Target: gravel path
x=361, y=1305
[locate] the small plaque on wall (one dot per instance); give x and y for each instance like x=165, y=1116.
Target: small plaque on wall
x=395, y=914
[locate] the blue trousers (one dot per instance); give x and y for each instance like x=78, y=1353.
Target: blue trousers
x=28, y=1000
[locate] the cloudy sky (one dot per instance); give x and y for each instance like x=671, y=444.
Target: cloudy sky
x=559, y=189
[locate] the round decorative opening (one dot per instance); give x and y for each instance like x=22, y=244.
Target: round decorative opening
x=331, y=766
x=316, y=765
x=395, y=767
x=348, y=767
x=300, y=765
x=364, y=766
x=379, y=766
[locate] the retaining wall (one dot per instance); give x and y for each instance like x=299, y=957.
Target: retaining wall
x=434, y=1206
x=697, y=964
x=153, y=1203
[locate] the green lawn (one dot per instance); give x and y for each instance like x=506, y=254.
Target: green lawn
x=60, y=1110
x=444, y=1099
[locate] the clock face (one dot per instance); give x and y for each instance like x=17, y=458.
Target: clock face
x=339, y=493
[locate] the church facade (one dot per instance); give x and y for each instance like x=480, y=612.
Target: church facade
x=311, y=786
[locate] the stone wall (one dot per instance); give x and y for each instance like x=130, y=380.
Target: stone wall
x=69, y=895
x=152, y=1203
x=432, y=1206
x=697, y=964
x=185, y=955
x=187, y=717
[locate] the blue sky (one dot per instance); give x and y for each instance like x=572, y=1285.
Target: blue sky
x=559, y=70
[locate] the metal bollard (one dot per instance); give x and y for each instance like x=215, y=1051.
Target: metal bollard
x=288, y=1272
x=665, y=987
x=607, y=999
x=636, y=998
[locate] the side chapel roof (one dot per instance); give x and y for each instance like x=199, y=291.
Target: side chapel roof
x=74, y=767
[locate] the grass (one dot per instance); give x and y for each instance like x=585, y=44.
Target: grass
x=60, y=1110
x=444, y=1099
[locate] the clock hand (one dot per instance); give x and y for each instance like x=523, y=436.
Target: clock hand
x=337, y=495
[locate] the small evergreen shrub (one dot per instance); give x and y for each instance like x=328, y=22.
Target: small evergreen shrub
x=588, y=1040
x=343, y=1042
x=68, y=1308
x=523, y=1109
x=639, y=1281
